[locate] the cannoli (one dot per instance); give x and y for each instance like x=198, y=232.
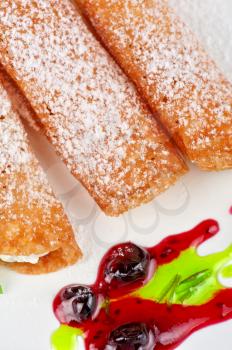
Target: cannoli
x=35, y=235
x=173, y=72
x=87, y=107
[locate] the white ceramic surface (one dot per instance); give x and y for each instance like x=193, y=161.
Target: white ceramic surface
x=26, y=317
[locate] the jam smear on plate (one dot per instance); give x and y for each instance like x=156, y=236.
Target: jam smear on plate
x=147, y=298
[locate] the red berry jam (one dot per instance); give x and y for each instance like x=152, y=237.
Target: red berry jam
x=126, y=308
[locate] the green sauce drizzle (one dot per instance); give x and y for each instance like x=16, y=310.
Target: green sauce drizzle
x=190, y=279
x=65, y=338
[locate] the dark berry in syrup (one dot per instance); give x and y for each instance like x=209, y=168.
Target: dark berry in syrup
x=131, y=336
x=127, y=263
x=80, y=301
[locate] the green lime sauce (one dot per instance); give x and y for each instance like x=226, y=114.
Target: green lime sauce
x=65, y=338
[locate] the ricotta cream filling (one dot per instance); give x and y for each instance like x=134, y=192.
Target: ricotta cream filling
x=31, y=259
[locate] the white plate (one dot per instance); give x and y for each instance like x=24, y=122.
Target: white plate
x=26, y=317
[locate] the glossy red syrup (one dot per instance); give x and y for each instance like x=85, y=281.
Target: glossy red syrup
x=170, y=324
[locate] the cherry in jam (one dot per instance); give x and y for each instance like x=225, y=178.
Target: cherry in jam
x=77, y=303
x=126, y=263
x=131, y=336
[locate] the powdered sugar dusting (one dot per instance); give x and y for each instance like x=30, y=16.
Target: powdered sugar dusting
x=13, y=145
x=211, y=21
x=18, y=100
x=175, y=74
x=16, y=160
x=88, y=108
x=32, y=221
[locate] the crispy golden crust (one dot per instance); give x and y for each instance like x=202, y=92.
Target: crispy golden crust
x=66, y=255
x=29, y=225
x=87, y=107
x=175, y=75
x=32, y=229
x=32, y=221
